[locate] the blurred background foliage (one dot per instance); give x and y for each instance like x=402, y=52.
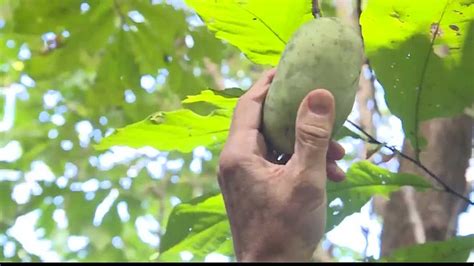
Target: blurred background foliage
x=71, y=73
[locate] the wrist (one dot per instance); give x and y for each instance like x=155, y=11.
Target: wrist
x=280, y=239
x=272, y=245
x=287, y=250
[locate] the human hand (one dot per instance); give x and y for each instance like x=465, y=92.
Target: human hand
x=277, y=212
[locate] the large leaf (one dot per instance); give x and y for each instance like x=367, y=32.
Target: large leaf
x=258, y=28
x=200, y=227
x=365, y=180
x=212, y=98
x=456, y=249
x=180, y=130
x=423, y=53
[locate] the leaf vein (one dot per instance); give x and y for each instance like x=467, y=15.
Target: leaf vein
x=422, y=80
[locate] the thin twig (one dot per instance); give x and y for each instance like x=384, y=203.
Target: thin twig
x=414, y=161
x=316, y=10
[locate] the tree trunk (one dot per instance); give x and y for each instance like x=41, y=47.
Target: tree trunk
x=416, y=217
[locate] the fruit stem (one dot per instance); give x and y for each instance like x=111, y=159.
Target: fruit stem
x=316, y=10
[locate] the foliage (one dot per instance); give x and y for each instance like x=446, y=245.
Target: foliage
x=199, y=227
x=180, y=130
x=456, y=249
x=419, y=50
x=364, y=180
x=258, y=29
x=78, y=69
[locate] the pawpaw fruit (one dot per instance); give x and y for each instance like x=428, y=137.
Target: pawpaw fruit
x=322, y=53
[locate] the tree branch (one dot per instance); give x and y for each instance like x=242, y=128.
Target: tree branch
x=316, y=10
x=414, y=161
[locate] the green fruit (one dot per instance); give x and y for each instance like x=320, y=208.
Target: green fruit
x=322, y=53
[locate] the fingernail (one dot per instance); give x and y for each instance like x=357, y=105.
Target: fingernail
x=319, y=103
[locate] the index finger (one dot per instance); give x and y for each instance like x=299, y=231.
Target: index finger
x=248, y=112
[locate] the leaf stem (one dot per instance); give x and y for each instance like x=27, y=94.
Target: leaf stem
x=316, y=10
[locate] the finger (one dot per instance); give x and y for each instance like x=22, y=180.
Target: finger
x=314, y=124
x=334, y=172
x=335, y=151
x=248, y=112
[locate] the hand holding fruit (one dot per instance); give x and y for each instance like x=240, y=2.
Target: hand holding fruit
x=278, y=212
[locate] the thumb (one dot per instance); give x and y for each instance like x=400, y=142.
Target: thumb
x=314, y=124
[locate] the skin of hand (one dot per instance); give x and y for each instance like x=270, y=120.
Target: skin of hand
x=277, y=209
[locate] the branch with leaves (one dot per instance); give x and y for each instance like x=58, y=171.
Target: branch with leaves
x=446, y=187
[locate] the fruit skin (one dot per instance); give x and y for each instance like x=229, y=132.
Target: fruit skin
x=322, y=53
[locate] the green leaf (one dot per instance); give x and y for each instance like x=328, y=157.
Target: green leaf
x=364, y=180
x=230, y=92
x=69, y=53
x=211, y=97
x=180, y=130
x=116, y=72
x=456, y=249
x=200, y=227
x=45, y=15
x=258, y=28
x=159, y=44
x=210, y=100
x=425, y=75
x=156, y=36
x=206, y=45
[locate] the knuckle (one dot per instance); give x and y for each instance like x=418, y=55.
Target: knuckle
x=229, y=164
x=313, y=135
